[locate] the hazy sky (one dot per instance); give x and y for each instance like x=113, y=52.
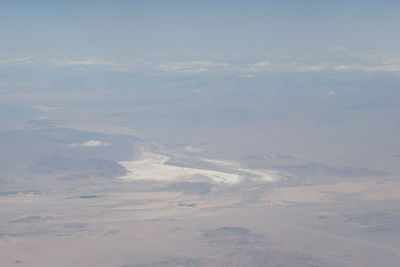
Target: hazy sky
x=197, y=29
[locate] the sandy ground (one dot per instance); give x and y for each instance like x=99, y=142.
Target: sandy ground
x=151, y=166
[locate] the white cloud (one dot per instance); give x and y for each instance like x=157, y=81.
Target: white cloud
x=247, y=75
x=266, y=66
x=381, y=68
x=45, y=108
x=342, y=68
x=307, y=68
x=345, y=63
x=291, y=66
x=193, y=66
x=80, y=63
x=90, y=143
x=19, y=61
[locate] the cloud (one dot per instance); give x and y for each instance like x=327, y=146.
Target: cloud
x=80, y=63
x=281, y=66
x=192, y=149
x=294, y=66
x=342, y=68
x=346, y=62
x=194, y=66
x=45, y=108
x=337, y=48
x=381, y=68
x=90, y=143
x=282, y=156
x=86, y=64
x=18, y=61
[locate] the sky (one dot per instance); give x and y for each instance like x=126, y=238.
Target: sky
x=177, y=29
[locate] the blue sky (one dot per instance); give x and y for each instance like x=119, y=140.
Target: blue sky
x=197, y=29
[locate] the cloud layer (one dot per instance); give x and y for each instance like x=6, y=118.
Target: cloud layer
x=327, y=63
